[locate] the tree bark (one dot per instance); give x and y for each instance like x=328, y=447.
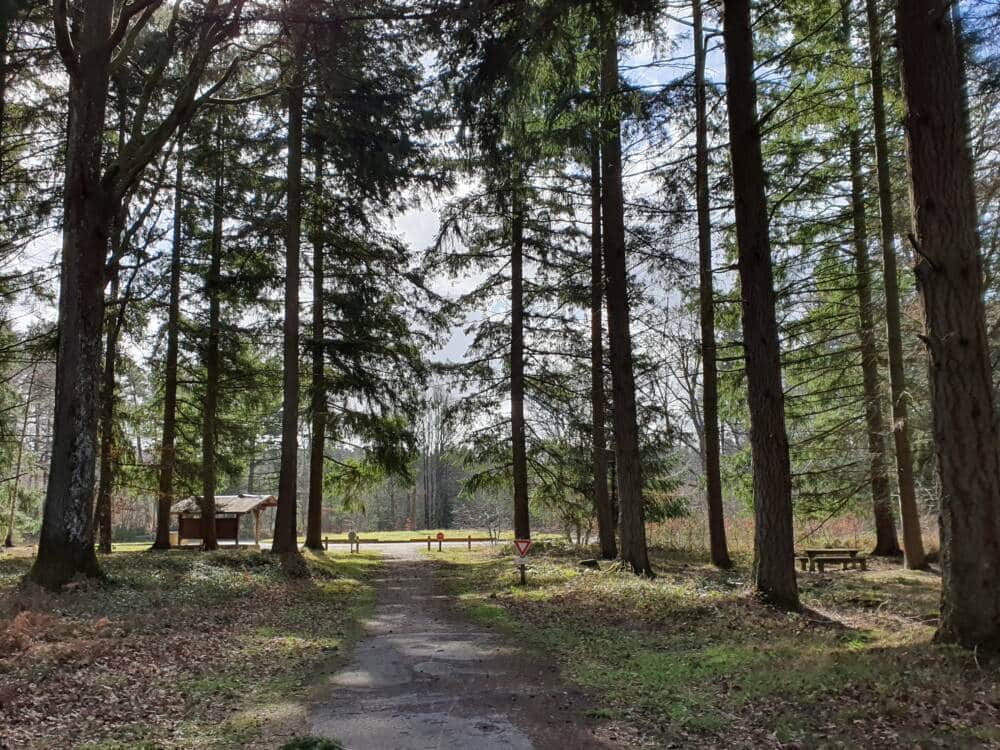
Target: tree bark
x=913, y=546
x=706, y=294
x=950, y=275
x=886, y=541
x=314, y=520
x=66, y=543
x=210, y=408
x=632, y=526
x=774, y=562
x=599, y=440
x=165, y=487
x=106, y=418
x=285, y=537
x=522, y=526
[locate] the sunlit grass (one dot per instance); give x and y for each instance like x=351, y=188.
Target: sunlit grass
x=254, y=643
x=693, y=659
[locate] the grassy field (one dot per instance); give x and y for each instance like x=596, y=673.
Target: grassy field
x=692, y=660
x=177, y=650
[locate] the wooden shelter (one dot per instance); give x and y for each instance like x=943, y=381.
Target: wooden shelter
x=229, y=509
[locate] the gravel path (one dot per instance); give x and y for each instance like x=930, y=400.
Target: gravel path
x=425, y=676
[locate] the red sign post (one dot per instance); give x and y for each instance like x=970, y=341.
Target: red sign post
x=522, y=546
x=440, y=538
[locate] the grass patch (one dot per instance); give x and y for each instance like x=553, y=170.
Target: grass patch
x=692, y=659
x=178, y=649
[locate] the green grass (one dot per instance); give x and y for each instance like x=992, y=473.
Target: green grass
x=179, y=649
x=692, y=659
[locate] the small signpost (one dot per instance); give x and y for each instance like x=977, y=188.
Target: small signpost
x=440, y=538
x=522, y=546
x=352, y=537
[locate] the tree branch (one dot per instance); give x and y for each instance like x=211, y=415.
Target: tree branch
x=147, y=7
x=64, y=43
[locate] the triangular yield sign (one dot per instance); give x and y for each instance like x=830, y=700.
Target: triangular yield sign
x=522, y=545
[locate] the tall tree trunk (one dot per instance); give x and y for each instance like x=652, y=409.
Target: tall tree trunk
x=774, y=562
x=165, y=486
x=113, y=324
x=427, y=487
x=886, y=541
x=706, y=293
x=632, y=526
x=15, y=484
x=210, y=408
x=950, y=275
x=913, y=546
x=106, y=419
x=599, y=440
x=522, y=526
x=66, y=543
x=285, y=537
x=314, y=521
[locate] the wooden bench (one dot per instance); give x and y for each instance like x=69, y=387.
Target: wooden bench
x=819, y=558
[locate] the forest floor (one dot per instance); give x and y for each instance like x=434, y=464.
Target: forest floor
x=219, y=651
x=176, y=650
x=691, y=659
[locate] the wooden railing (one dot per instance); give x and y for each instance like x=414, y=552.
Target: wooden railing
x=357, y=541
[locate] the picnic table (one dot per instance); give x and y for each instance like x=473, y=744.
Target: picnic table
x=818, y=557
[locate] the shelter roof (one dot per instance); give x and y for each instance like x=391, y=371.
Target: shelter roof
x=228, y=504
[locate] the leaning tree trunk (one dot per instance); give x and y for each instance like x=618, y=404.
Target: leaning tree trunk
x=913, y=546
x=66, y=542
x=210, y=407
x=950, y=275
x=599, y=442
x=774, y=561
x=314, y=516
x=631, y=522
x=165, y=487
x=886, y=541
x=522, y=526
x=706, y=293
x=285, y=537
x=15, y=484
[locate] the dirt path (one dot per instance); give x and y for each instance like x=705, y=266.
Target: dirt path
x=426, y=677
